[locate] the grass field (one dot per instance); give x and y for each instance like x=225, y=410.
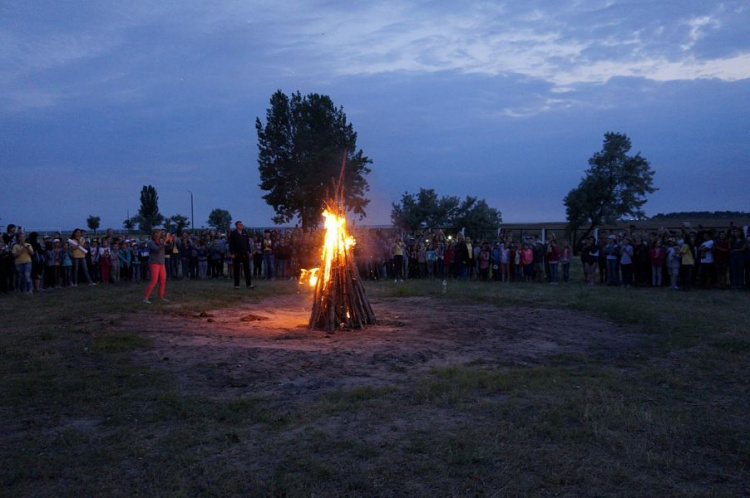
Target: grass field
x=81, y=417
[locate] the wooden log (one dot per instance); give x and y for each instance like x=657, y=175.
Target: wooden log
x=342, y=300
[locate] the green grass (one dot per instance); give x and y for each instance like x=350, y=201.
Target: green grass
x=81, y=417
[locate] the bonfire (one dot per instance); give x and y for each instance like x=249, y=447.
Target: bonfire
x=339, y=298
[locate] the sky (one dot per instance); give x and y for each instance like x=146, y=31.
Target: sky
x=501, y=100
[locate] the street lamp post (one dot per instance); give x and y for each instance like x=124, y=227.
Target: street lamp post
x=192, y=214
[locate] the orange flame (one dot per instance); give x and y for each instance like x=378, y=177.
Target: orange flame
x=335, y=245
x=309, y=276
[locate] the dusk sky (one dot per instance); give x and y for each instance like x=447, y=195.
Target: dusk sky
x=505, y=100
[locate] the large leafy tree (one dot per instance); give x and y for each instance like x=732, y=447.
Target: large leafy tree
x=148, y=214
x=426, y=209
x=301, y=147
x=614, y=187
x=219, y=219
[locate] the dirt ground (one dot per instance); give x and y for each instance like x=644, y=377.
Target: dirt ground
x=266, y=348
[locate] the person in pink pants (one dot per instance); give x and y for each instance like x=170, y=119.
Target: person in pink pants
x=156, y=265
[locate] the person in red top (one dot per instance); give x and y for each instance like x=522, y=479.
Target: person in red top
x=721, y=259
x=448, y=264
x=657, y=253
x=553, y=260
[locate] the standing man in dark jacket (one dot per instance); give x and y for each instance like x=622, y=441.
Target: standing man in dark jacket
x=240, y=248
x=462, y=256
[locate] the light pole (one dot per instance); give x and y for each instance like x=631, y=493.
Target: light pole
x=192, y=215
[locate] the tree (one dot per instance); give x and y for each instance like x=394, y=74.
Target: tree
x=423, y=210
x=130, y=223
x=93, y=222
x=427, y=210
x=301, y=147
x=615, y=186
x=705, y=215
x=148, y=214
x=220, y=219
x=476, y=216
x=179, y=221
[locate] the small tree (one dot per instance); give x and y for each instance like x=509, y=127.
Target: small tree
x=180, y=222
x=130, y=223
x=93, y=223
x=615, y=186
x=148, y=214
x=220, y=219
x=167, y=224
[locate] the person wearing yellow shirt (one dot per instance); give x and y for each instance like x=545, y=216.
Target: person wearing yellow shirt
x=688, y=261
x=78, y=243
x=22, y=252
x=397, y=251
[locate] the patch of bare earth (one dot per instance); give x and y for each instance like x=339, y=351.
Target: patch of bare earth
x=266, y=349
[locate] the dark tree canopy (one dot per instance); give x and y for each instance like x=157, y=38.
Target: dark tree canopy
x=476, y=216
x=178, y=222
x=427, y=210
x=614, y=187
x=93, y=222
x=301, y=147
x=130, y=223
x=148, y=214
x=706, y=215
x=220, y=219
x=424, y=209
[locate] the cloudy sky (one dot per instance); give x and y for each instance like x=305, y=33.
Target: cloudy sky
x=502, y=100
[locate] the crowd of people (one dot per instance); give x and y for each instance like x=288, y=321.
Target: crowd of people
x=705, y=258
x=677, y=259
x=33, y=263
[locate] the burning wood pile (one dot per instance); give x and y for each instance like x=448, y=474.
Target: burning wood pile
x=339, y=299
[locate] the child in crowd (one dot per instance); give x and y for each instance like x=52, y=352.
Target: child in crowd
x=657, y=255
x=105, y=260
x=126, y=259
x=143, y=258
x=504, y=263
x=114, y=263
x=484, y=262
x=202, y=254
x=50, y=265
x=65, y=255
x=674, y=259
x=136, y=264
x=566, y=254
x=94, y=261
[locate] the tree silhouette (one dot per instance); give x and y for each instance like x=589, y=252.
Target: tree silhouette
x=301, y=147
x=615, y=186
x=148, y=214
